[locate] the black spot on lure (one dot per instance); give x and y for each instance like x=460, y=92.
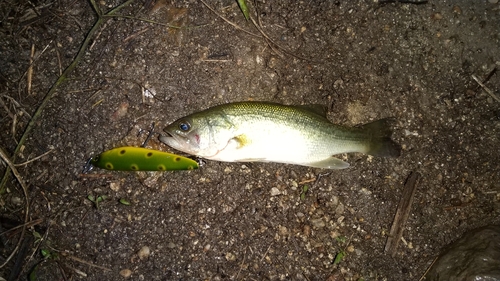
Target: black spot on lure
x=129, y=158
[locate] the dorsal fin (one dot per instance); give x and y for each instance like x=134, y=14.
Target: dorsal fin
x=319, y=109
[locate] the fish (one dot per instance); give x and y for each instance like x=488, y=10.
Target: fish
x=257, y=131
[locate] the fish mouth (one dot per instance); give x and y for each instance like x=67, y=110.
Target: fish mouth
x=169, y=139
x=175, y=141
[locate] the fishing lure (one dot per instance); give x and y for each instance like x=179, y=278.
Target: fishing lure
x=130, y=158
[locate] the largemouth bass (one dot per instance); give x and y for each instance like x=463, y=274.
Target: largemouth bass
x=270, y=132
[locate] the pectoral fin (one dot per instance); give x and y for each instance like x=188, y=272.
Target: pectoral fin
x=238, y=142
x=329, y=163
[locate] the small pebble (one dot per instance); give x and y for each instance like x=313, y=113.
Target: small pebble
x=455, y=202
x=16, y=200
x=340, y=209
x=340, y=219
x=318, y=223
x=457, y=10
x=272, y=62
x=144, y=252
x=275, y=191
x=365, y=191
x=125, y=273
x=120, y=112
x=206, y=248
x=115, y=186
x=230, y=257
x=437, y=16
x=306, y=230
x=282, y=230
x=493, y=1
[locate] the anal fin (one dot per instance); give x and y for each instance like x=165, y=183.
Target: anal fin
x=329, y=163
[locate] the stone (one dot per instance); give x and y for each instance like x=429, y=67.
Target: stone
x=474, y=257
x=126, y=273
x=144, y=252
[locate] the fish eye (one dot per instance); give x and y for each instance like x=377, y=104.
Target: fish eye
x=184, y=126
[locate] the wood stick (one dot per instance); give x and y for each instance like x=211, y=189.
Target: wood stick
x=402, y=213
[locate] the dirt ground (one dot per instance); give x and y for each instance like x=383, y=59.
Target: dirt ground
x=365, y=60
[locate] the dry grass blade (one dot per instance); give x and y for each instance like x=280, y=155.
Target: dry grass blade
x=486, y=89
x=152, y=22
x=30, y=69
x=19, y=178
x=270, y=42
x=428, y=268
x=28, y=224
x=34, y=159
x=16, y=104
x=11, y=115
x=228, y=21
x=88, y=263
x=33, y=60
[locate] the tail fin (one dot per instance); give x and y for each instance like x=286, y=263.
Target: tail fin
x=381, y=143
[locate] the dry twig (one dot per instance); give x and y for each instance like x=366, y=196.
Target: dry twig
x=402, y=213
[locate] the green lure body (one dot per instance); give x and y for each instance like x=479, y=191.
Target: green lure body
x=129, y=158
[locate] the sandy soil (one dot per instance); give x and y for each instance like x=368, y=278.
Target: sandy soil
x=233, y=221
